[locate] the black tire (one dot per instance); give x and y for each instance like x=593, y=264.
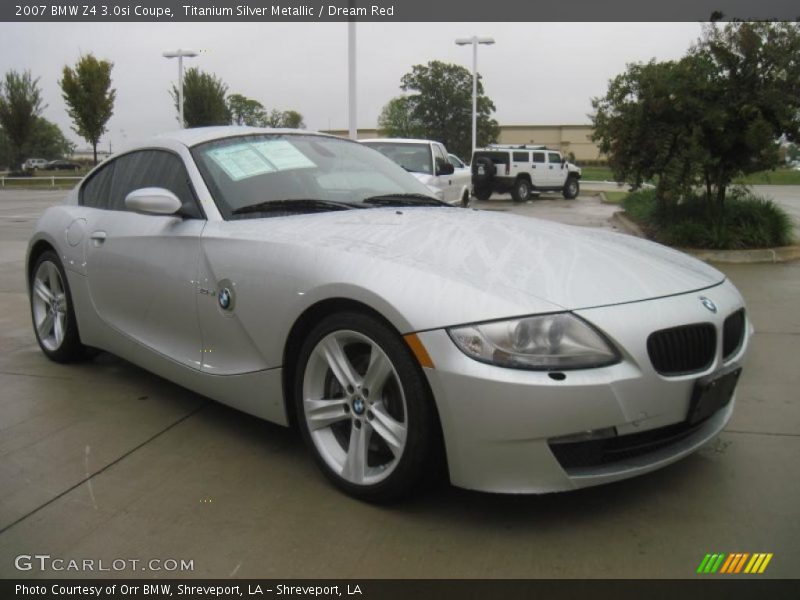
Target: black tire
x=571, y=188
x=70, y=348
x=465, y=199
x=418, y=456
x=521, y=192
x=483, y=193
x=483, y=172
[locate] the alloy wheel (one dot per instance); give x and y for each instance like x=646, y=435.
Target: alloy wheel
x=49, y=302
x=354, y=407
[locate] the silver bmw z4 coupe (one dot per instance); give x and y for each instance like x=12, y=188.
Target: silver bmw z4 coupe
x=310, y=281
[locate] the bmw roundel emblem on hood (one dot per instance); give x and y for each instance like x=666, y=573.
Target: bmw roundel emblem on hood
x=709, y=304
x=224, y=298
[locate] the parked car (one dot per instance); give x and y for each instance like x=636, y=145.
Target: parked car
x=34, y=164
x=522, y=170
x=428, y=161
x=61, y=165
x=307, y=279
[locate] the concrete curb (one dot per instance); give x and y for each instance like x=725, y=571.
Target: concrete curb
x=625, y=223
x=756, y=255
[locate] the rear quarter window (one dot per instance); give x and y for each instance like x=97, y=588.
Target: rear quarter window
x=498, y=158
x=96, y=191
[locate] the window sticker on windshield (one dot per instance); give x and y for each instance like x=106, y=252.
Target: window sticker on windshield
x=241, y=161
x=283, y=155
x=248, y=159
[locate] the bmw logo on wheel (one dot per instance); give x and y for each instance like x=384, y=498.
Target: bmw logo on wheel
x=224, y=298
x=709, y=304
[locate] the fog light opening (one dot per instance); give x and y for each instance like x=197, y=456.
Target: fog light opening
x=585, y=436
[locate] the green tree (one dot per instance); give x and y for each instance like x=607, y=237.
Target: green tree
x=20, y=106
x=397, y=119
x=293, y=120
x=48, y=141
x=708, y=118
x=646, y=124
x=284, y=118
x=754, y=99
x=90, y=100
x=203, y=99
x=441, y=98
x=246, y=111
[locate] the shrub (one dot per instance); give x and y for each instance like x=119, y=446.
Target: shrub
x=640, y=205
x=748, y=221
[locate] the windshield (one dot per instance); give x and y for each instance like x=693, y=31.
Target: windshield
x=255, y=170
x=412, y=157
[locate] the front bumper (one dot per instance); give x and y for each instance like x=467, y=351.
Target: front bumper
x=498, y=422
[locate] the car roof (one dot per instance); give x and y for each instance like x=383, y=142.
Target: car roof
x=198, y=135
x=523, y=147
x=400, y=141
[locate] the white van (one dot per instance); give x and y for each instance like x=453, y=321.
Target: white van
x=34, y=164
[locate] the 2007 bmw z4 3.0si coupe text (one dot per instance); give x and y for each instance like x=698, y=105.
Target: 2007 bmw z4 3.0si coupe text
x=308, y=279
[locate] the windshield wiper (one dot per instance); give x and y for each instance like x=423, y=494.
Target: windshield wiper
x=293, y=205
x=404, y=200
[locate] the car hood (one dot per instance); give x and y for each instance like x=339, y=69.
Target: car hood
x=482, y=264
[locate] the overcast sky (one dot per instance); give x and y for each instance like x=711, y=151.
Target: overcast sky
x=536, y=73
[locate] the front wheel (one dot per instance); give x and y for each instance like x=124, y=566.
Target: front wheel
x=363, y=407
x=571, y=188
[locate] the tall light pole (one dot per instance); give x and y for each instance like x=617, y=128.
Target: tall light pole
x=180, y=54
x=352, y=125
x=475, y=40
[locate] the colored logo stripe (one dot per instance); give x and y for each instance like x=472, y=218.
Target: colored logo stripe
x=734, y=563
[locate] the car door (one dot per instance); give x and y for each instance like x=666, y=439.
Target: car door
x=450, y=192
x=556, y=173
x=539, y=171
x=142, y=268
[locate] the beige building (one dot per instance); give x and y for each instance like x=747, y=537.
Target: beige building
x=567, y=138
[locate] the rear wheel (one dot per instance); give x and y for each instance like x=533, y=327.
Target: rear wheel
x=465, y=199
x=483, y=193
x=571, y=188
x=521, y=192
x=53, y=315
x=363, y=407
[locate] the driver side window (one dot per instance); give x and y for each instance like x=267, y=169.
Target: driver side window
x=152, y=168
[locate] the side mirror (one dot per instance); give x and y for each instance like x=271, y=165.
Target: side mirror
x=153, y=201
x=445, y=169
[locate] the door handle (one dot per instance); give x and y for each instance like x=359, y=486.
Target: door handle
x=98, y=237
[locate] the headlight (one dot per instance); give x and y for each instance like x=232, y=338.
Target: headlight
x=548, y=342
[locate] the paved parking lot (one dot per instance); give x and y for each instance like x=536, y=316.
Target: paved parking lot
x=105, y=461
